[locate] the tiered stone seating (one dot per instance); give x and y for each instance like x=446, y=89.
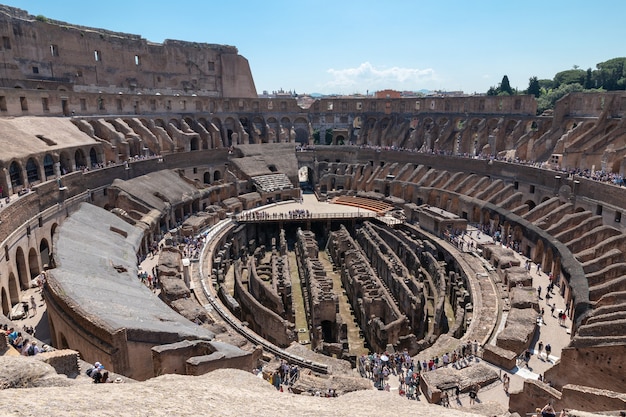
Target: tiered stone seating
x=272, y=182
x=379, y=207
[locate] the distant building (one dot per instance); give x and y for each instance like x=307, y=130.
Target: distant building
x=388, y=94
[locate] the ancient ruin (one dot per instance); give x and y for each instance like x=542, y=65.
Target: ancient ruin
x=97, y=175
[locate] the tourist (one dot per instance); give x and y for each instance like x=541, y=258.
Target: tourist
x=473, y=394
x=540, y=347
x=33, y=305
x=25, y=347
x=99, y=375
x=33, y=349
x=12, y=335
x=505, y=383
x=548, y=349
x=445, y=400
x=18, y=342
x=548, y=411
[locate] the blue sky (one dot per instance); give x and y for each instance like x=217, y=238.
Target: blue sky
x=356, y=46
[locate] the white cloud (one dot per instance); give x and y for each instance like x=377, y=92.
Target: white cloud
x=367, y=77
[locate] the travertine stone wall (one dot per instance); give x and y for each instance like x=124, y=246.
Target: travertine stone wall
x=380, y=318
x=58, y=55
x=323, y=304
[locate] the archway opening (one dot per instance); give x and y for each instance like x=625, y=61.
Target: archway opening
x=44, y=253
x=14, y=292
x=93, y=158
x=79, y=159
x=22, y=271
x=6, y=308
x=32, y=170
x=15, y=172
x=48, y=166
x=33, y=263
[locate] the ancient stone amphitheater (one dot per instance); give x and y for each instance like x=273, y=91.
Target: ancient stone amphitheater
x=112, y=146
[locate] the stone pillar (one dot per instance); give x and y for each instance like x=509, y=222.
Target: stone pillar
x=7, y=178
x=42, y=173
x=57, y=169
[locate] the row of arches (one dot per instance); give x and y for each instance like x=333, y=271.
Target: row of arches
x=22, y=269
x=35, y=169
x=511, y=234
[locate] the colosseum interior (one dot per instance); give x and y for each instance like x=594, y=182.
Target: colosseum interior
x=110, y=157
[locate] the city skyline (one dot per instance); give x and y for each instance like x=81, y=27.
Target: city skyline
x=359, y=47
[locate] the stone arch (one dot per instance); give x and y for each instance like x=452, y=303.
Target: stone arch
x=175, y=123
x=258, y=126
x=160, y=123
x=510, y=126
x=93, y=157
x=44, y=253
x=530, y=126
x=286, y=122
x=14, y=291
x=32, y=170
x=62, y=341
x=6, y=308
x=217, y=175
x=274, y=130
x=531, y=204
x=15, y=173
x=230, y=125
x=79, y=158
x=33, y=264
x=207, y=177
x=302, y=136
x=306, y=178
x=48, y=165
x=65, y=162
x=194, y=143
x=218, y=125
x=22, y=270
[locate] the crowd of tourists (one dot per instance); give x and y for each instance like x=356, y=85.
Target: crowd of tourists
x=285, y=376
x=380, y=367
x=192, y=246
x=23, y=344
x=262, y=215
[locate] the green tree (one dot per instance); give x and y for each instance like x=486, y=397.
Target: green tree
x=329, y=136
x=610, y=74
x=573, y=76
x=546, y=84
x=505, y=86
x=316, y=137
x=533, y=87
x=548, y=100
